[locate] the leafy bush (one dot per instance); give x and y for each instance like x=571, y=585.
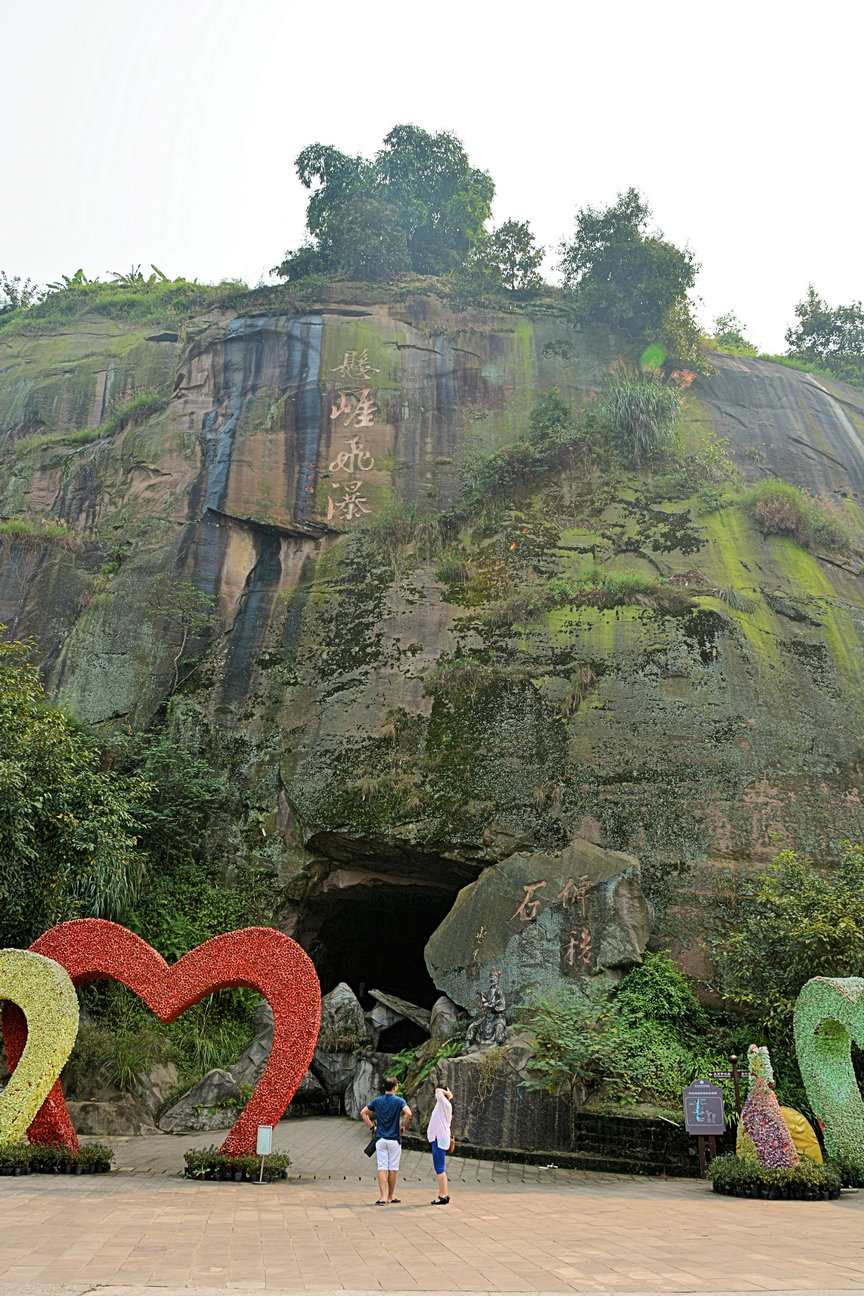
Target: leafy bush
x=54, y=1158
x=643, y=1042
x=67, y=829
x=553, y=433
x=808, y=1181
x=659, y=991
x=575, y=1041
x=638, y=413
x=14, y=1156
x=851, y=1172
x=779, y=928
x=780, y=508
x=830, y=337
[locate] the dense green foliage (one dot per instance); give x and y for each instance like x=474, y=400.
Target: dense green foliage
x=78, y=839
x=780, y=508
x=621, y=275
x=151, y=301
x=187, y=900
x=17, y=293
x=778, y=929
x=729, y=335
x=643, y=1042
x=67, y=828
x=507, y=260
x=789, y=923
x=418, y=205
x=829, y=337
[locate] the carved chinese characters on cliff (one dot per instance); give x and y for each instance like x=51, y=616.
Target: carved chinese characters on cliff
x=353, y=411
x=543, y=921
x=576, y=950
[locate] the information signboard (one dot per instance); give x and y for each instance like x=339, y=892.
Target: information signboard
x=703, y=1109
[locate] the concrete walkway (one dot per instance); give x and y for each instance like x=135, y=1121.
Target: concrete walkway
x=509, y=1228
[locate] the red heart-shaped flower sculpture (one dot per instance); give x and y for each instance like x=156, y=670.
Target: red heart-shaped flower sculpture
x=260, y=958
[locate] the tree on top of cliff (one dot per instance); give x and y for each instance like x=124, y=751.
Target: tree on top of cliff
x=633, y=280
x=508, y=259
x=829, y=337
x=17, y=293
x=418, y=205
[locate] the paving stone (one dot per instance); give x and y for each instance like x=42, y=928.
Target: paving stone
x=509, y=1227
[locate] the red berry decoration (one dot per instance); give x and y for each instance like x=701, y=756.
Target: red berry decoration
x=259, y=958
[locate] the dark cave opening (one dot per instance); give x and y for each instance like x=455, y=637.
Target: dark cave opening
x=370, y=930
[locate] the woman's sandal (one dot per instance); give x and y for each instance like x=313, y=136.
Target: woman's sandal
x=440, y=1201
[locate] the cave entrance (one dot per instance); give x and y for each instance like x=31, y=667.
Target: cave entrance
x=369, y=929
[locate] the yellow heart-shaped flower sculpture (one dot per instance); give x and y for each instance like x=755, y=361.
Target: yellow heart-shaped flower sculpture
x=44, y=992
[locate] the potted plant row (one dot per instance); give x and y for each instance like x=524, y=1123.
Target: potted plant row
x=208, y=1163
x=808, y=1181
x=53, y=1158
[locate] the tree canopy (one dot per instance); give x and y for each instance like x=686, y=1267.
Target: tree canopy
x=829, y=337
x=67, y=832
x=417, y=205
x=508, y=259
x=622, y=275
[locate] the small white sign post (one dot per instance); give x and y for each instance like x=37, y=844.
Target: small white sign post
x=264, y=1146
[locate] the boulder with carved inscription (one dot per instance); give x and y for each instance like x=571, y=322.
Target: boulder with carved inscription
x=543, y=921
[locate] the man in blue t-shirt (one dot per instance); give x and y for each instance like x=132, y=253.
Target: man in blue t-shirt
x=392, y=1114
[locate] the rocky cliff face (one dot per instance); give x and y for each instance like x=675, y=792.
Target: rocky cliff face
x=384, y=780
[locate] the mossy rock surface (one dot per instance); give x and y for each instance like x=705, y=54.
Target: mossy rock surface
x=689, y=733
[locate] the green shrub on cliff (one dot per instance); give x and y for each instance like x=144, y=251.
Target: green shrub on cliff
x=780, y=508
x=638, y=413
x=552, y=435
x=640, y=1042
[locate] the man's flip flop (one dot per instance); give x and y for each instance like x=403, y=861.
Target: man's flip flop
x=381, y=1203
x=395, y=1201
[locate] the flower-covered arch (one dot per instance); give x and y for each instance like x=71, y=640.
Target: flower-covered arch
x=259, y=958
x=829, y=1015
x=45, y=999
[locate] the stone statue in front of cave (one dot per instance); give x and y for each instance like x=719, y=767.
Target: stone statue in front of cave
x=488, y=1027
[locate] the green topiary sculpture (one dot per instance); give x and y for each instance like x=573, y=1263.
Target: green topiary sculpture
x=829, y=1015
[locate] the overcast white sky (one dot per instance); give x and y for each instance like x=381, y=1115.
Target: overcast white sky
x=139, y=131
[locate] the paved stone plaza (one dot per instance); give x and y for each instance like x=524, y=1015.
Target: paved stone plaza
x=509, y=1228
